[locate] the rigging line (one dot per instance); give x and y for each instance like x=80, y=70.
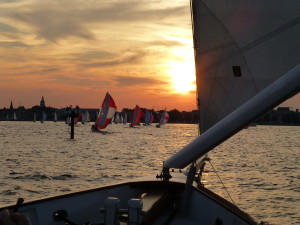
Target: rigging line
x=221, y=181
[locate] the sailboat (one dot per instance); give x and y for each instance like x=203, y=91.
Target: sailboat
x=148, y=117
x=44, y=117
x=164, y=119
x=106, y=113
x=117, y=118
x=83, y=118
x=137, y=116
x=252, y=46
x=68, y=120
x=124, y=115
x=34, y=117
x=87, y=117
x=78, y=118
x=55, y=117
x=15, y=116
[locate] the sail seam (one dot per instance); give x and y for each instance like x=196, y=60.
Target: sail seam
x=271, y=34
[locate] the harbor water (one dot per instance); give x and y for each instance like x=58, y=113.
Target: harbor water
x=259, y=166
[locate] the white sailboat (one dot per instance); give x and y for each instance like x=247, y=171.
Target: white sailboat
x=44, y=117
x=87, y=117
x=15, y=116
x=164, y=119
x=55, y=117
x=83, y=118
x=245, y=45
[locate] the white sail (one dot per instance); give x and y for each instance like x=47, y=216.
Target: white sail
x=87, y=116
x=44, y=117
x=83, y=118
x=15, y=116
x=240, y=48
x=55, y=117
x=124, y=118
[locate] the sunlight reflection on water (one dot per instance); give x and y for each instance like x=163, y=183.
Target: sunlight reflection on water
x=259, y=165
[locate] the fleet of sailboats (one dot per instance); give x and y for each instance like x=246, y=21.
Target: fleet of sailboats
x=247, y=62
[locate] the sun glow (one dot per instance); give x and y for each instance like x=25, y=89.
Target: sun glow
x=183, y=76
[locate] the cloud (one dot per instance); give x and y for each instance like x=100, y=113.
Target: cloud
x=133, y=81
x=55, y=20
x=7, y=28
x=80, y=81
x=166, y=43
x=93, y=54
x=125, y=58
x=13, y=44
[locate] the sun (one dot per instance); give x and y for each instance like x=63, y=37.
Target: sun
x=183, y=76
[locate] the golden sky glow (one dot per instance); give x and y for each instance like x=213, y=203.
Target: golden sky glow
x=73, y=52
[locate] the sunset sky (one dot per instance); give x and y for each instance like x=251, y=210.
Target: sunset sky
x=74, y=51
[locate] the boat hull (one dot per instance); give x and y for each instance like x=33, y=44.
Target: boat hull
x=200, y=206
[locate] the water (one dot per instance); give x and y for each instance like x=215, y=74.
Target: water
x=259, y=166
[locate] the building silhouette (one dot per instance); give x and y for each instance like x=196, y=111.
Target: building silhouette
x=11, y=111
x=42, y=102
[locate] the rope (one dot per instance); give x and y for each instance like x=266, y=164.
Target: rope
x=221, y=181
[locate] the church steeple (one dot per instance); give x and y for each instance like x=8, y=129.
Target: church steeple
x=11, y=108
x=42, y=103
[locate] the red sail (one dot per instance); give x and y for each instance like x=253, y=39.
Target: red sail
x=137, y=115
x=106, y=113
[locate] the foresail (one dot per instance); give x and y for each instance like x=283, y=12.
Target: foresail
x=240, y=48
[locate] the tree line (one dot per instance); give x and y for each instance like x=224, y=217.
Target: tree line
x=280, y=116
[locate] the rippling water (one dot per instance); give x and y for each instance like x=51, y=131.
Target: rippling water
x=259, y=166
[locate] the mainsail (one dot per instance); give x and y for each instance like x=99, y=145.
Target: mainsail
x=137, y=115
x=241, y=48
x=106, y=112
